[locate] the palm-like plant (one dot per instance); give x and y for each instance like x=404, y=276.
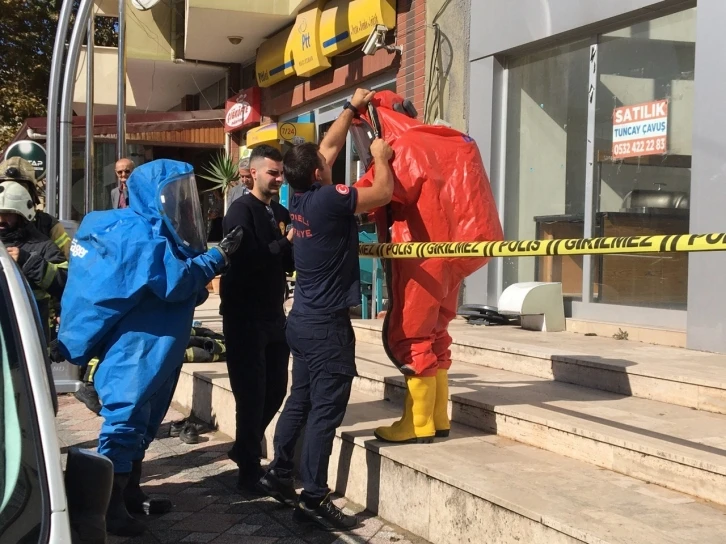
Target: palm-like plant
x=222, y=171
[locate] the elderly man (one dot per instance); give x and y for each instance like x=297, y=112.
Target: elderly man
x=245, y=183
x=120, y=193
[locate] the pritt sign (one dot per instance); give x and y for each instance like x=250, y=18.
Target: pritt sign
x=242, y=110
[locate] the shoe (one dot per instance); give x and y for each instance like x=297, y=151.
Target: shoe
x=232, y=454
x=138, y=502
x=190, y=433
x=279, y=487
x=417, y=423
x=248, y=480
x=326, y=516
x=441, y=405
x=177, y=427
x=118, y=520
x=87, y=395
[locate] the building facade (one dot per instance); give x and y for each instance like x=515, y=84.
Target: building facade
x=277, y=72
x=602, y=119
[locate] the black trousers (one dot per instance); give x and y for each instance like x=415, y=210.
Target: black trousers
x=323, y=368
x=257, y=362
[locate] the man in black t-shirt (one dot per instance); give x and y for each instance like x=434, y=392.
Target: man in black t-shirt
x=253, y=294
x=319, y=331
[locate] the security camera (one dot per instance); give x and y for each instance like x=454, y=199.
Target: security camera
x=376, y=41
x=235, y=40
x=373, y=42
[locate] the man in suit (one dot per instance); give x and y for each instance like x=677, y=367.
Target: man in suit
x=120, y=193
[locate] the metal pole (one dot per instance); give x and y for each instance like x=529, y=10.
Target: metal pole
x=121, y=83
x=90, y=143
x=56, y=67
x=66, y=110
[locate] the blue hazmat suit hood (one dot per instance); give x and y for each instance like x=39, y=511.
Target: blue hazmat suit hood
x=151, y=197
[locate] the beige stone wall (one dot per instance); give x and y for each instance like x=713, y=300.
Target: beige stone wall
x=447, y=78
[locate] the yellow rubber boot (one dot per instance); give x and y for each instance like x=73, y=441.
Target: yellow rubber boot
x=417, y=423
x=407, y=409
x=441, y=408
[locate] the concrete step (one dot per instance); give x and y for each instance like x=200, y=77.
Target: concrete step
x=678, y=376
x=476, y=488
x=676, y=447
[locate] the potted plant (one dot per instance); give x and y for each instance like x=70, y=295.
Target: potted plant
x=223, y=172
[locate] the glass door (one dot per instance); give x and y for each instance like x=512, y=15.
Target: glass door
x=642, y=179
x=598, y=143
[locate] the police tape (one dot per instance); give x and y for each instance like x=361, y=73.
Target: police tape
x=662, y=243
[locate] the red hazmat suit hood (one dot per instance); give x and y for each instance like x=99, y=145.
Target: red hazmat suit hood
x=441, y=194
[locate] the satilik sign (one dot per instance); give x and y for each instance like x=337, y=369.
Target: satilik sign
x=641, y=129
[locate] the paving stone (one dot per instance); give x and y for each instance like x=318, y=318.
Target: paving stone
x=243, y=529
x=200, y=537
x=200, y=481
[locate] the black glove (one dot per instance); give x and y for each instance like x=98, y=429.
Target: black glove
x=54, y=353
x=231, y=242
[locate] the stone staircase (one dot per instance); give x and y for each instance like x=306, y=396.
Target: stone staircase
x=555, y=438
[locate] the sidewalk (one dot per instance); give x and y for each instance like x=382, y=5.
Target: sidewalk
x=200, y=480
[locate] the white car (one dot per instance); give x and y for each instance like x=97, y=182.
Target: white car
x=36, y=504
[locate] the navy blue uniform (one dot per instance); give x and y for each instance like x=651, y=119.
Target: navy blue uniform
x=319, y=332
x=253, y=294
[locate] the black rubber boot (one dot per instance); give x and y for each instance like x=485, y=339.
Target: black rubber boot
x=138, y=502
x=118, y=520
x=87, y=395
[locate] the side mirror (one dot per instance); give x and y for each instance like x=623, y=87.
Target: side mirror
x=88, y=481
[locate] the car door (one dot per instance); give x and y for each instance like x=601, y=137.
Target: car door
x=32, y=492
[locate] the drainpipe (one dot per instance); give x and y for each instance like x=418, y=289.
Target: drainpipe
x=56, y=68
x=90, y=147
x=121, y=83
x=66, y=110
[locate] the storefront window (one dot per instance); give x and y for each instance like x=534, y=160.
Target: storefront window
x=643, y=127
x=642, y=80
x=546, y=148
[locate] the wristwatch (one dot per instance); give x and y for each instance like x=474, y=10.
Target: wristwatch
x=351, y=107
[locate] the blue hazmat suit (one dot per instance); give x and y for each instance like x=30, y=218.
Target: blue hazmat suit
x=133, y=282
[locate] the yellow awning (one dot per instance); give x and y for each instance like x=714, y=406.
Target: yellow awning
x=274, y=60
x=307, y=51
x=345, y=23
x=321, y=31
x=276, y=133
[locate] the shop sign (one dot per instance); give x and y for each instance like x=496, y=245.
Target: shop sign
x=242, y=110
x=31, y=151
x=297, y=133
x=641, y=129
x=323, y=31
x=345, y=23
x=276, y=133
x=265, y=134
x=307, y=53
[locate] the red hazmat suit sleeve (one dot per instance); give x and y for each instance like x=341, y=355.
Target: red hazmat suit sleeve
x=442, y=194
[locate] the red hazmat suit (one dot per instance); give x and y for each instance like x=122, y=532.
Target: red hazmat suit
x=441, y=194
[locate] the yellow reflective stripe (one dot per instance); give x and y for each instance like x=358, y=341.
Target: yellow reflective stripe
x=40, y=295
x=92, y=367
x=62, y=240
x=50, y=272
